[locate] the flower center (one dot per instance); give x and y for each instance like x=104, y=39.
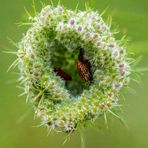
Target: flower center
x=64, y=62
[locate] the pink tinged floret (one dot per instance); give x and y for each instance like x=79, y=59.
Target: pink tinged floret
x=95, y=36
x=80, y=28
x=59, y=9
x=117, y=85
x=122, y=65
x=72, y=22
x=115, y=53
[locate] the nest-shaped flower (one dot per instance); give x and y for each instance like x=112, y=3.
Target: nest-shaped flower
x=65, y=95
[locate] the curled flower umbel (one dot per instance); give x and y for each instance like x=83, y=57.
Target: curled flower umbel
x=71, y=67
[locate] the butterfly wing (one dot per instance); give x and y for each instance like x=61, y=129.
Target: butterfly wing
x=84, y=67
x=62, y=74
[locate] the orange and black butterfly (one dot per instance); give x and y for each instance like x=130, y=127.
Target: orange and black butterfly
x=62, y=74
x=84, y=67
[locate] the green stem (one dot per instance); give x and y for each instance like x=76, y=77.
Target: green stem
x=83, y=145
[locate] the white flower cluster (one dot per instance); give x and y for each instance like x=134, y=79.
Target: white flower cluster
x=58, y=32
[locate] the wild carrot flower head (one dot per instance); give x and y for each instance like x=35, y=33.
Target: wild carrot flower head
x=61, y=93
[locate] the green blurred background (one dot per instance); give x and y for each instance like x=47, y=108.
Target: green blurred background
x=17, y=127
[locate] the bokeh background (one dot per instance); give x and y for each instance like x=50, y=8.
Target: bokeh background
x=17, y=127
